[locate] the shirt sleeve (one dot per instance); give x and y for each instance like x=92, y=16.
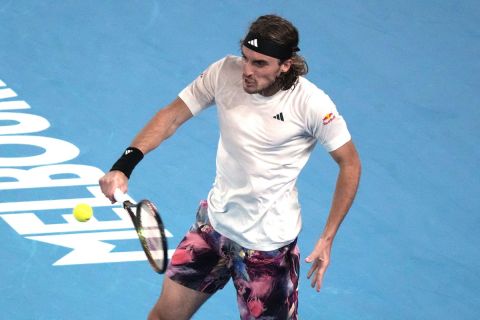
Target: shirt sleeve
x=325, y=123
x=200, y=94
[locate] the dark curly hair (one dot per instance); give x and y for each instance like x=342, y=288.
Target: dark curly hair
x=283, y=32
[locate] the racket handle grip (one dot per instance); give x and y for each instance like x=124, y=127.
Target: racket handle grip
x=119, y=195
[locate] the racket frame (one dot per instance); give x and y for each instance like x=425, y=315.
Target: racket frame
x=134, y=211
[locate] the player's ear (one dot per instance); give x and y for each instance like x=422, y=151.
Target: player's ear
x=286, y=65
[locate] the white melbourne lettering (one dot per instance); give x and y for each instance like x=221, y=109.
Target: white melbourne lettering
x=7, y=93
x=90, y=247
x=25, y=123
x=47, y=170
x=13, y=105
x=55, y=151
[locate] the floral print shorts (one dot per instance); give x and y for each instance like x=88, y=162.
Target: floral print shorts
x=266, y=281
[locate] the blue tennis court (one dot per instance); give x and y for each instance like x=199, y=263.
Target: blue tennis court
x=78, y=79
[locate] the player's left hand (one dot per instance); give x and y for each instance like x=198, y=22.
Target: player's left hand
x=320, y=259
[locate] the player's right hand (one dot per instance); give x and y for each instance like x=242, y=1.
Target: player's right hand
x=111, y=181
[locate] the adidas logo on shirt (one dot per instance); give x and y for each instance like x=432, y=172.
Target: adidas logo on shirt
x=279, y=116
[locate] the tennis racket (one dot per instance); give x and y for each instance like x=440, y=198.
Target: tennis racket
x=150, y=230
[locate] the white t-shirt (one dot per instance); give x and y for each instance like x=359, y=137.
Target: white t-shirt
x=264, y=143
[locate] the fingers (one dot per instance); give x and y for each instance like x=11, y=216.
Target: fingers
x=317, y=269
x=319, y=276
x=111, y=181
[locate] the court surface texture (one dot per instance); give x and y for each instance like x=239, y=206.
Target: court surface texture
x=78, y=79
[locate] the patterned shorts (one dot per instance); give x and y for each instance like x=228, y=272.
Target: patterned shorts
x=266, y=281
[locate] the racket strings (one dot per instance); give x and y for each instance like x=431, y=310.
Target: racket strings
x=151, y=235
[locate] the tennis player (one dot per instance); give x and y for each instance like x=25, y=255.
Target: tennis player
x=270, y=120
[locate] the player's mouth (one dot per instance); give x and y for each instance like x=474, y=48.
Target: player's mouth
x=249, y=83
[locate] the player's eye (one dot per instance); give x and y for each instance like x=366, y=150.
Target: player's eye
x=260, y=63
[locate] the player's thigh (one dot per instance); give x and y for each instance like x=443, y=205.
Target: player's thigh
x=177, y=302
x=267, y=283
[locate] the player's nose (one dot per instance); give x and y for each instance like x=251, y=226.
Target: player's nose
x=247, y=69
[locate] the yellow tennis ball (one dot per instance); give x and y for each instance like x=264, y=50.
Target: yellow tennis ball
x=82, y=212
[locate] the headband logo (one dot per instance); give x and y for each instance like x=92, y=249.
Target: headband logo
x=256, y=42
x=253, y=42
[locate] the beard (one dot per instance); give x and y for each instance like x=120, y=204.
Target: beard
x=250, y=86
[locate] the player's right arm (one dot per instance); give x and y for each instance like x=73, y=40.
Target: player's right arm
x=162, y=126
x=159, y=128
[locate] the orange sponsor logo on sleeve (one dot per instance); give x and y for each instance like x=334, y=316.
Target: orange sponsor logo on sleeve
x=328, y=118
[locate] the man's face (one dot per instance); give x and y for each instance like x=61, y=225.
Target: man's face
x=260, y=72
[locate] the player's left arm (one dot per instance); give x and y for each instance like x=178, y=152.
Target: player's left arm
x=346, y=187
